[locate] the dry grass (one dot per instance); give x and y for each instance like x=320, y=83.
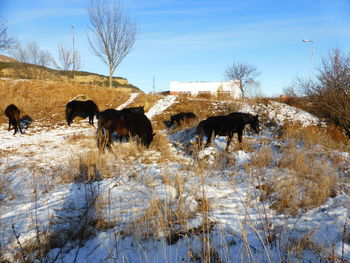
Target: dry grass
x=89, y=167
x=131, y=151
x=146, y=100
x=161, y=145
x=306, y=181
x=46, y=100
x=296, y=247
x=330, y=137
x=161, y=218
x=262, y=157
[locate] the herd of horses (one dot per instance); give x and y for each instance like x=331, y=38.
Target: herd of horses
x=133, y=123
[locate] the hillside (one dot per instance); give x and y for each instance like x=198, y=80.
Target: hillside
x=281, y=196
x=10, y=68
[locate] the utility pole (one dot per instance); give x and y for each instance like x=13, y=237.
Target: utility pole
x=154, y=85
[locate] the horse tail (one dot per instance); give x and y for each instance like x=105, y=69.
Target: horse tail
x=101, y=135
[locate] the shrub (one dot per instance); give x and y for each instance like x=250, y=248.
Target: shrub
x=328, y=96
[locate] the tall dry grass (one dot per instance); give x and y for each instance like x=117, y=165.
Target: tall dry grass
x=304, y=179
x=46, y=100
x=330, y=137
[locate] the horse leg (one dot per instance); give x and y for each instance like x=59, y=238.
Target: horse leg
x=15, y=127
x=69, y=116
x=91, y=119
x=199, y=141
x=239, y=133
x=210, y=136
x=109, y=138
x=229, y=138
x=19, y=126
x=10, y=124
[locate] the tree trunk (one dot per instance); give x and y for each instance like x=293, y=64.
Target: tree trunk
x=242, y=91
x=110, y=77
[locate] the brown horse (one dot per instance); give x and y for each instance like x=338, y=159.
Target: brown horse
x=125, y=124
x=13, y=113
x=226, y=125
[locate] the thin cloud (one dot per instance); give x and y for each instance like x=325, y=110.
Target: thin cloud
x=256, y=34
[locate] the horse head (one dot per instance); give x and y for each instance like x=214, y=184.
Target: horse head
x=254, y=123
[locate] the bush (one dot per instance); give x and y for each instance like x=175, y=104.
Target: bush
x=328, y=96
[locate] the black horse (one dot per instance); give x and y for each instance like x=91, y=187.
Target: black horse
x=226, y=125
x=177, y=119
x=140, y=109
x=125, y=124
x=82, y=109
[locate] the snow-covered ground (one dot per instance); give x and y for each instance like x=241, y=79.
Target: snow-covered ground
x=133, y=96
x=121, y=213
x=161, y=105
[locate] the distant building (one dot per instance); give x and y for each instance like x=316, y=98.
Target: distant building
x=201, y=87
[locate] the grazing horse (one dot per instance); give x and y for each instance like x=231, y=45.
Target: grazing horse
x=13, y=113
x=125, y=124
x=180, y=117
x=226, y=125
x=82, y=109
x=140, y=110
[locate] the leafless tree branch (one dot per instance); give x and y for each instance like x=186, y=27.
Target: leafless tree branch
x=64, y=58
x=113, y=35
x=244, y=73
x=329, y=94
x=6, y=42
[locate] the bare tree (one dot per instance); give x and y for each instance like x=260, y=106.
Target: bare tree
x=20, y=54
x=329, y=94
x=113, y=34
x=6, y=42
x=244, y=73
x=64, y=58
x=68, y=59
x=31, y=54
x=77, y=62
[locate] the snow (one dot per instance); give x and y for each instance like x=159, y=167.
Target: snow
x=161, y=105
x=40, y=189
x=281, y=113
x=133, y=96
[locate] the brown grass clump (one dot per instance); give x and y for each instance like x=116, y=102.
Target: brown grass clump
x=161, y=145
x=330, y=137
x=162, y=218
x=307, y=181
x=87, y=168
x=262, y=157
x=46, y=100
x=205, y=96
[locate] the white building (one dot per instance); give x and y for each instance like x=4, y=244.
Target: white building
x=195, y=88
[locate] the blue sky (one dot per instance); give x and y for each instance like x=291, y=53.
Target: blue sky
x=196, y=40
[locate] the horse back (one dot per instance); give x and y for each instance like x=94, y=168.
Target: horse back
x=12, y=112
x=177, y=118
